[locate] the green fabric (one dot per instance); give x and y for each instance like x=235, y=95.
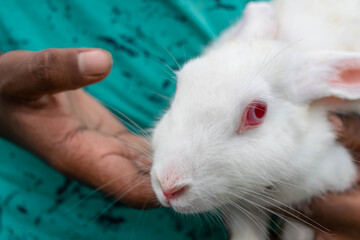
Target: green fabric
x=146, y=39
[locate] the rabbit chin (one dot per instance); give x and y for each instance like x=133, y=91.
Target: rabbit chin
x=189, y=207
x=187, y=204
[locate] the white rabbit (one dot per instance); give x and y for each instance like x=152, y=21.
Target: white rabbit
x=247, y=129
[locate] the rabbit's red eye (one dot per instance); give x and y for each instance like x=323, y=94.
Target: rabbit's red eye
x=253, y=115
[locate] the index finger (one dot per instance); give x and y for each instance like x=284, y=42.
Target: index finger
x=347, y=128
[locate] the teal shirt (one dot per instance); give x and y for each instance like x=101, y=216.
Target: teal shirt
x=148, y=41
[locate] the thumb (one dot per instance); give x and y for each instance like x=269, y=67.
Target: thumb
x=28, y=74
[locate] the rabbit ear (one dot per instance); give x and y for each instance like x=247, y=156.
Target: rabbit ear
x=259, y=20
x=325, y=74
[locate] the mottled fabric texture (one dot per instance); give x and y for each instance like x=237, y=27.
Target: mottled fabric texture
x=148, y=40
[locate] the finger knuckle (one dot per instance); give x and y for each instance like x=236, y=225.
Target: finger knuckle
x=44, y=68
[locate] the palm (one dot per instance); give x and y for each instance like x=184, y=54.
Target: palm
x=69, y=129
x=89, y=136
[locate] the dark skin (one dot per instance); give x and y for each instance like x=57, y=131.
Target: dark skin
x=44, y=110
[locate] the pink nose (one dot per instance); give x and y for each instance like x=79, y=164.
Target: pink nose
x=174, y=192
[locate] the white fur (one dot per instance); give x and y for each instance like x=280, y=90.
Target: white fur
x=294, y=150
x=321, y=24
x=297, y=231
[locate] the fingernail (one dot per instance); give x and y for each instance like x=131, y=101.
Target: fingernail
x=94, y=63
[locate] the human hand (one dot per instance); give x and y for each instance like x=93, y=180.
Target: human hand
x=43, y=110
x=337, y=216
x=340, y=213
